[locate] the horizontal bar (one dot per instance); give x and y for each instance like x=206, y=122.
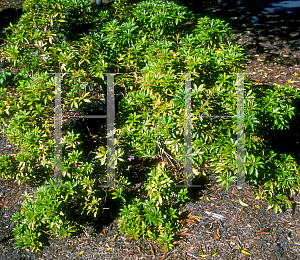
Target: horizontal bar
x=213, y=116
x=242, y=73
x=101, y=116
x=87, y=116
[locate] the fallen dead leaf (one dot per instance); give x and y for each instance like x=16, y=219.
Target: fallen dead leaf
x=165, y=256
x=216, y=236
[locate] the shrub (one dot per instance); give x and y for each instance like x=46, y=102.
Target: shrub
x=154, y=218
x=46, y=212
x=128, y=40
x=51, y=208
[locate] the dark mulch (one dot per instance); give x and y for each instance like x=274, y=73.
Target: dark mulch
x=214, y=222
x=274, y=55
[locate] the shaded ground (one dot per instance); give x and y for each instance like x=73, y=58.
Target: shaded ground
x=271, y=41
x=273, y=48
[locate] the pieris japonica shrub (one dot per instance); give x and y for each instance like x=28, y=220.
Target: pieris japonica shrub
x=50, y=209
x=144, y=42
x=154, y=218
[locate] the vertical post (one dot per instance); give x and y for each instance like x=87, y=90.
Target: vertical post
x=187, y=132
x=240, y=131
x=110, y=121
x=188, y=135
x=110, y=130
x=58, y=133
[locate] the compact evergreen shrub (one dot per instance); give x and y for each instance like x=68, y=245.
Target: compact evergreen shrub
x=154, y=218
x=145, y=39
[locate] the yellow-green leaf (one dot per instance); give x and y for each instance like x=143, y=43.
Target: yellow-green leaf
x=243, y=204
x=196, y=172
x=115, y=237
x=160, y=200
x=245, y=252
